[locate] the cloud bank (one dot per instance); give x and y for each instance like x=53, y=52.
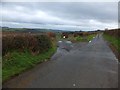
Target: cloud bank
x=60, y=15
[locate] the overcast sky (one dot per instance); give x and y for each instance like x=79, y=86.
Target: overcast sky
x=60, y=15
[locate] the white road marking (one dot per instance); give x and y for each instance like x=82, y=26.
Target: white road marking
x=74, y=85
x=59, y=41
x=89, y=41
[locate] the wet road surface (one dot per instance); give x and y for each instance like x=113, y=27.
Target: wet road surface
x=91, y=65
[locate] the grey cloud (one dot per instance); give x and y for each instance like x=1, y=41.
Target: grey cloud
x=105, y=11
x=81, y=15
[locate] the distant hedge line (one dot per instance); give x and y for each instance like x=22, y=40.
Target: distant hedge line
x=36, y=44
x=113, y=32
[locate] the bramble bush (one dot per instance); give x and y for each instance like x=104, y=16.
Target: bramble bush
x=35, y=44
x=51, y=34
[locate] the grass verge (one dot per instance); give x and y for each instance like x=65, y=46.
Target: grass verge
x=114, y=44
x=17, y=62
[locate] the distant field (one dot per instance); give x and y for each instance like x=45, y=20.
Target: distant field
x=78, y=38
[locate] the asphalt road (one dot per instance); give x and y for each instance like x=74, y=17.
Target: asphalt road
x=91, y=66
